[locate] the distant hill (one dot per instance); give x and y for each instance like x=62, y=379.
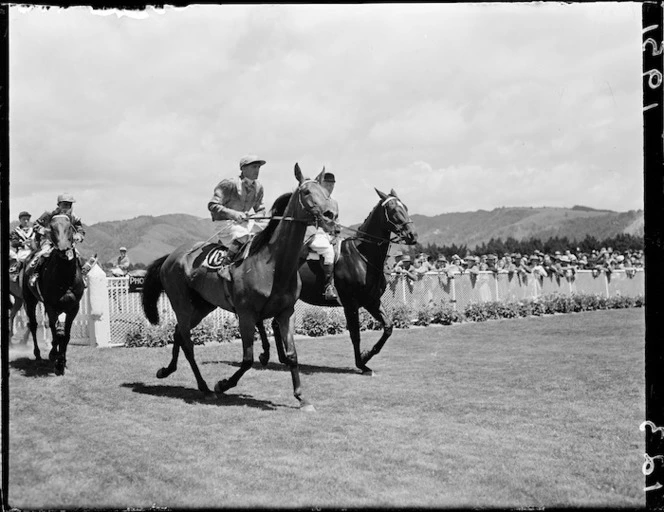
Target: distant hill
x=148, y=238
x=475, y=228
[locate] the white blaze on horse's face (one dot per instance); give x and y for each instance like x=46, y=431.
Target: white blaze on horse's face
x=61, y=232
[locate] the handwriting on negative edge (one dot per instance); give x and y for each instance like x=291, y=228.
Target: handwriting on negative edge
x=653, y=428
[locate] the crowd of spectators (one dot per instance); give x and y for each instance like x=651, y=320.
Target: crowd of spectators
x=563, y=264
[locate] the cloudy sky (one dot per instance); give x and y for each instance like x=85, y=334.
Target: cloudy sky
x=458, y=107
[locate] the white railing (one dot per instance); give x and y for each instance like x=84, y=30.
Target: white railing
x=109, y=311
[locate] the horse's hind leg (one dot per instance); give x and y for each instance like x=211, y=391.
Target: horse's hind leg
x=162, y=373
x=187, y=344
x=353, y=324
x=378, y=312
x=264, y=358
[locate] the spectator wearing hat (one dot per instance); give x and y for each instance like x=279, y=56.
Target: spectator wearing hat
x=441, y=263
x=491, y=263
x=65, y=206
x=535, y=267
x=122, y=264
x=484, y=265
x=231, y=205
x=321, y=243
x=455, y=266
x=404, y=267
x=472, y=264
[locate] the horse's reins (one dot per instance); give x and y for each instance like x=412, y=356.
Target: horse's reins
x=271, y=217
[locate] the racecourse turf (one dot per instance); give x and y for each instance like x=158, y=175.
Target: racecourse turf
x=537, y=412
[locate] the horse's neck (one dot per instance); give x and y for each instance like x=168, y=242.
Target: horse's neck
x=375, y=226
x=287, y=240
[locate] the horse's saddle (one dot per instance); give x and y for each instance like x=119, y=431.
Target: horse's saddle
x=211, y=256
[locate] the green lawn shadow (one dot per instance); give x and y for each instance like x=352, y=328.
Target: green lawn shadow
x=31, y=367
x=194, y=396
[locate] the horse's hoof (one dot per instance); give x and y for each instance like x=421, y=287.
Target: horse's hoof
x=208, y=396
x=264, y=359
x=59, y=369
x=162, y=373
x=221, y=386
x=52, y=355
x=308, y=408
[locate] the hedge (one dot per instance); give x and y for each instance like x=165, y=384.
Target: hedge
x=318, y=322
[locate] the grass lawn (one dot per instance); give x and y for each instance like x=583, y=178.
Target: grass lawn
x=537, y=412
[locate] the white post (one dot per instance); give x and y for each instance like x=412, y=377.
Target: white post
x=100, y=316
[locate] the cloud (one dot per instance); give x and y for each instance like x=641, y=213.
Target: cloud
x=455, y=106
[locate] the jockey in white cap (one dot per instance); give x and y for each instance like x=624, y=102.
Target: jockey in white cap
x=231, y=205
x=65, y=206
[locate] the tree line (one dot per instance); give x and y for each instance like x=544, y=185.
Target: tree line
x=620, y=243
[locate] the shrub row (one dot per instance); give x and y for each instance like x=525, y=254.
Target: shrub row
x=322, y=322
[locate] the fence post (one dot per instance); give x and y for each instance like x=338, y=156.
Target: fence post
x=100, y=313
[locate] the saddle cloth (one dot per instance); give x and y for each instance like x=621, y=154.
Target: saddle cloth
x=211, y=255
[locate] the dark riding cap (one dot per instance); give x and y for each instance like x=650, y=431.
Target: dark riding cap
x=24, y=214
x=329, y=177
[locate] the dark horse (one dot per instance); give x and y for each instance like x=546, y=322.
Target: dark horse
x=358, y=274
x=60, y=287
x=265, y=284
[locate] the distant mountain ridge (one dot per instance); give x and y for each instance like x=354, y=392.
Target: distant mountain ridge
x=148, y=238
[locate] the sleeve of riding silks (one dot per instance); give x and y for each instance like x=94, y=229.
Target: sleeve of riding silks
x=259, y=206
x=78, y=224
x=220, y=198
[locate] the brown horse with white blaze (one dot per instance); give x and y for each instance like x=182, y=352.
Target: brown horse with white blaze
x=265, y=284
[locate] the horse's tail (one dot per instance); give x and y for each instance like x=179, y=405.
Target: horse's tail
x=152, y=288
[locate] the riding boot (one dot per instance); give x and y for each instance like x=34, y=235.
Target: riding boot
x=330, y=292
x=229, y=257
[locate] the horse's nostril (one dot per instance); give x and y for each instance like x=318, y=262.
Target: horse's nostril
x=329, y=215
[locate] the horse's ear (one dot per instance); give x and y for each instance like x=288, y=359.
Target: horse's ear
x=382, y=195
x=393, y=193
x=319, y=178
x=298, y=173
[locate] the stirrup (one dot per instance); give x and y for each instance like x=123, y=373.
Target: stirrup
x=330, y=292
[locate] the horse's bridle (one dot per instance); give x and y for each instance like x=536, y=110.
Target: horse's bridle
x=50, y=234
x=398, y=229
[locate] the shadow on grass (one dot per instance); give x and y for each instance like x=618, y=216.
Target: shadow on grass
x=31, y=367
x=306, y=369
x=193, y=396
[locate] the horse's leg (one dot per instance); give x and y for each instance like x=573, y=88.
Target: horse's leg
x=283, y=321
x=65, y=336
x=162, y=373
x=264, y=358
x=353, y=323
x=31, y=311
x=55, y=338
x=248, y=323
x=278, y=342
x=378, y=312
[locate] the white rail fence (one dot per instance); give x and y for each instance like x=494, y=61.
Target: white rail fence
x=109, y=311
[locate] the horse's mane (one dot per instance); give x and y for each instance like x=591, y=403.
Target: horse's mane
x=278, y=209
x=370, y=214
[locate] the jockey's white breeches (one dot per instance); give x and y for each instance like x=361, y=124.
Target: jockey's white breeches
x=320, y=244
x=229, y=230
